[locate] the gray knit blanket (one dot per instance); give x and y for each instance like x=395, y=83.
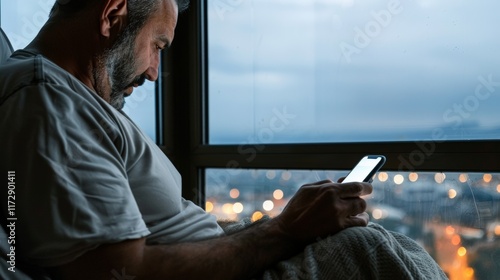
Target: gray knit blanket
x=370, y=252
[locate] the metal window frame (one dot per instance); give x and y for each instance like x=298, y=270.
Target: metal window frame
x=185, y=129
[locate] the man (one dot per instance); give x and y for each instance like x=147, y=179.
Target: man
x=95, y=198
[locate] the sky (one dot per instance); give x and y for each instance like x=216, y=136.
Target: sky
x=335, y=70
x=353, y=71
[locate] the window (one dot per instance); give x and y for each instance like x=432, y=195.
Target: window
x=453, y=215
x=257, y=116
x=250, y=109
x=21, y=20
x=346, y=71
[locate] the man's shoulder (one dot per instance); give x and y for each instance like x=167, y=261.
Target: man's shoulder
x=27, y=69
x=34, y=88
x=26, y=65
x=28, y=79
x=22, y=65
x=14, y=72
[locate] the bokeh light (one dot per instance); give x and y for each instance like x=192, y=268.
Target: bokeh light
x=497, y=230
x=278, y=194
x=270, y=174
x=377, y=214
x=257, y=215
x=439, y=178
x=452, y=193
x=238, y=208
x=399, y=179
x=413, y=177
x=469, y=272
x=268, y=205
x=286, y=175
x=209, y=206
x=450, y=230
x=461, y=251
x=487, y=178
x=227, y=208
x=234, y=193
x=455, y=240
x=463, y=178
x=383, y=176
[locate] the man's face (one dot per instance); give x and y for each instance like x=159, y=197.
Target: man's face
x=121, y=67
x=136, y=57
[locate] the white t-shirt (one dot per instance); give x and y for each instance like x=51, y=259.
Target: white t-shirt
x=85, y=174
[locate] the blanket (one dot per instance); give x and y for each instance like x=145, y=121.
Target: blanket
x=370, y=252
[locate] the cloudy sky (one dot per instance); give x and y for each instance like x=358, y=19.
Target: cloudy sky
x=335, y=70
x=353, y=71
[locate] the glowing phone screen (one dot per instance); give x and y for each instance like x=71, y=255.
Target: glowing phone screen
x=365, y=169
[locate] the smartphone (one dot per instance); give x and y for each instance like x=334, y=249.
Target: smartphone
x=365, y=169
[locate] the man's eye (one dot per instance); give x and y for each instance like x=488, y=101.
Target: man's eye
x=159, y=48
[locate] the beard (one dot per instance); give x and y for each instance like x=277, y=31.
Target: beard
x=118, y=64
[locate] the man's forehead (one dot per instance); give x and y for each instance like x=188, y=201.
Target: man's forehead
x=165, y=20
x=165, y=40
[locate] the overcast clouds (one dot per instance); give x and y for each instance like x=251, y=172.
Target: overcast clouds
x=413, y=62
x=343, y=70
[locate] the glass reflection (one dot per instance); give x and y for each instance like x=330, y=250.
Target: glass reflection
x=454, y=216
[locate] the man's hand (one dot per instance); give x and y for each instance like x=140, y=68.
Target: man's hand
x=316, y=210
x=323, y=208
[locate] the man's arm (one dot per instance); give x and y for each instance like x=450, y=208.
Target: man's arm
x=316, y=210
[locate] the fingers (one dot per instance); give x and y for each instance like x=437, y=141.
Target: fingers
x=346, y=197
x=351, y=205
x=322, y=182
x=354, y=189
x=355, y=206
x=359, y=220
x=346, y=190
x=324, y=207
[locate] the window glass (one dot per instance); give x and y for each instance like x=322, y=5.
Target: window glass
x=288, y=71
x=22, y=19
x=454, y=216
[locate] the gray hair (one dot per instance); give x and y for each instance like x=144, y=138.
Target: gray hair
x=139, y=10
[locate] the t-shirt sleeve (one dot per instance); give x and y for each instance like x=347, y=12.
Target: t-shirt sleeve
x=72, y=191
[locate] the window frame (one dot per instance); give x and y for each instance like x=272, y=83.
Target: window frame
x=182, y=127
x=186, y=129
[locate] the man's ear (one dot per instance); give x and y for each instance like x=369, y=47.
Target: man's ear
x=113, y=17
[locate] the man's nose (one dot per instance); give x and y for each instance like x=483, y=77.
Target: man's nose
x=152, y=71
